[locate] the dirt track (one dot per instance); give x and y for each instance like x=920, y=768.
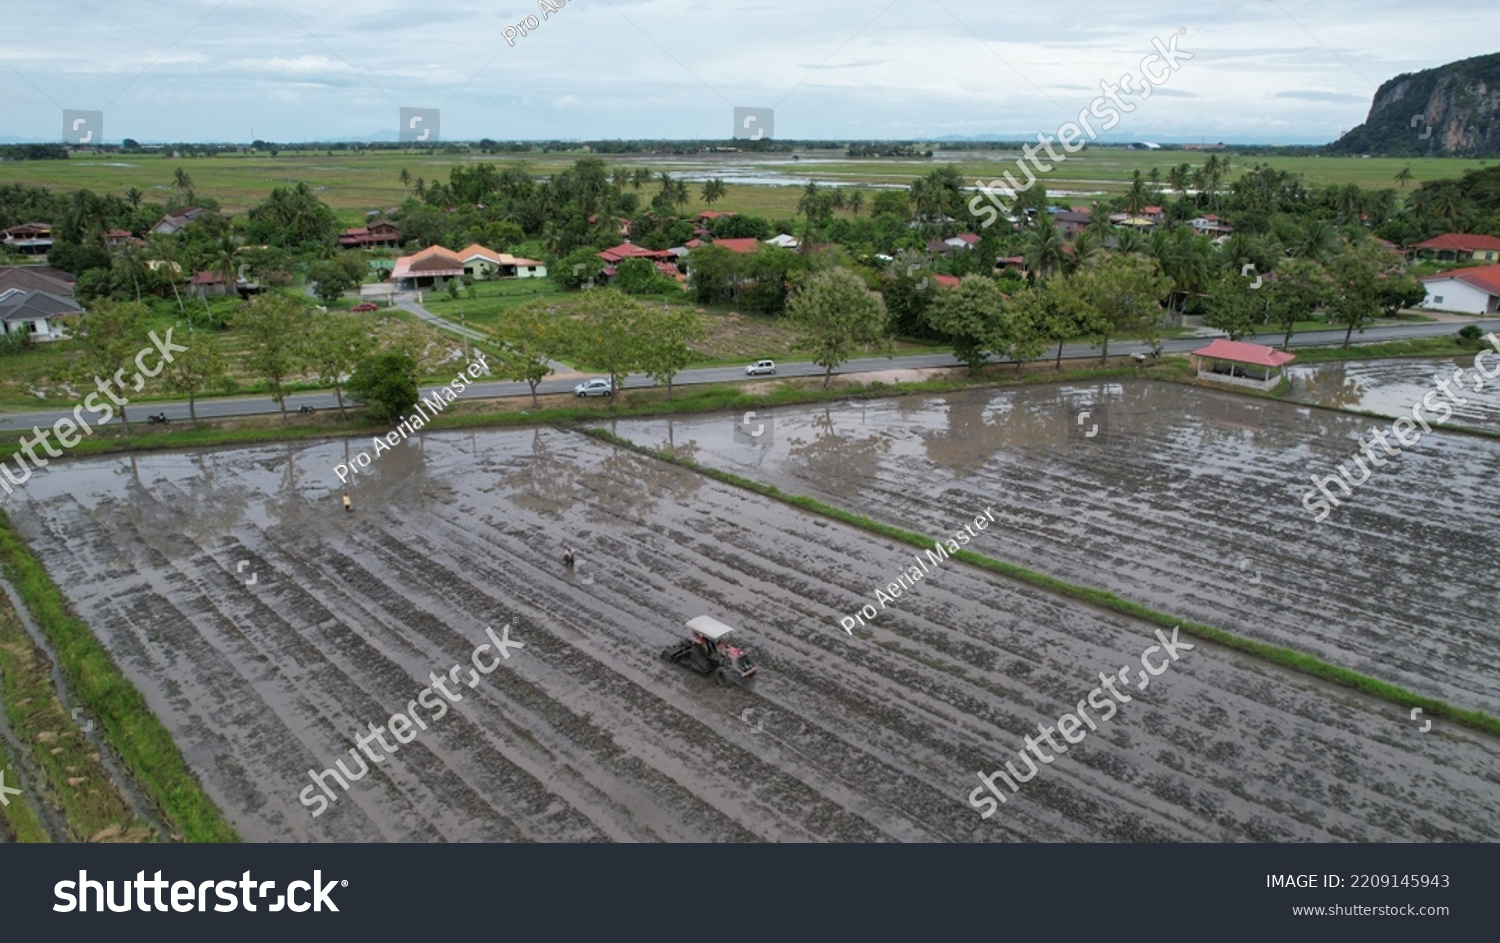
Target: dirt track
x=586, y=734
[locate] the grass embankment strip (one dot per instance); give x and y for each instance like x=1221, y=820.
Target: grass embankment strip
x=1276, y=654
x=68, y=762
x=143, y=744
x=19, y=816
x=644, y=403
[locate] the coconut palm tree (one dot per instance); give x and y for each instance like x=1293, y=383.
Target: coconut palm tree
x=1043, y=247
x=1403, y=176
x=713, y=191
x=405, y=177
x=182, y=181
x=856, y=201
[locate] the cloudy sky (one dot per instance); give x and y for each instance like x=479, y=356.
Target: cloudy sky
x=1283, y=71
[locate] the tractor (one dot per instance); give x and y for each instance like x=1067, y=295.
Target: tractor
x=709, y=652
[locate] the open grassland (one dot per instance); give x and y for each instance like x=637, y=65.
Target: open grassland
x=353, y=184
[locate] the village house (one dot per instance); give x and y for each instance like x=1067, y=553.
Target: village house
x=1458, y=247
x=177, y=220
x=29, y=238
x=380, y=234
x=1467, y=290
x=37, y=313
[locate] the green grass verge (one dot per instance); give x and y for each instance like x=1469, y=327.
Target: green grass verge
x=25, y=827
x=68, y=763
x=1445, y=346
x=140, y=740
x=1276, y=654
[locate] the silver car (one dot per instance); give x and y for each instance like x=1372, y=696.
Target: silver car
x=595, y=387
x=761, y=366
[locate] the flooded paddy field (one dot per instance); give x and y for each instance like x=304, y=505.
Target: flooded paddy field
x=1393, y=387
x=1185, y=499
x=267, y=628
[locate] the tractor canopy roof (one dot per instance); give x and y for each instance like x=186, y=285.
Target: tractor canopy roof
x=709, y=627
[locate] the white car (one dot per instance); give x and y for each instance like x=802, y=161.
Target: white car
x=761, y=366
x=596, y=387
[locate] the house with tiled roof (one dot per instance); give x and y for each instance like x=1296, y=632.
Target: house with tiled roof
x=742, y=246
x=1466, y=290
x=482, y=263
x=1210, y=225
x=426, y=269
x=36, y=313
x=36, y=278
x=1459, y=247
x=28, y=238
x=380, y=234
x=625, y=250
x=177, y=220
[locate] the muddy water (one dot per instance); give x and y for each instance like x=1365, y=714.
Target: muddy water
x=1188, y=500
x=586, y=735
x=1393, y=387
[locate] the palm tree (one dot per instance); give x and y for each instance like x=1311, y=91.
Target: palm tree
x=132, y=262
x=225, y=262
x=713, y=190
x=1403, y=176
x=836, y=199
x=164, y=252
x=1086, y=245
x=1318, y=241
x=182, y=181
x=1135, y=197
x=405, y=177
x=680, y=194
x=1155, y=177
x=1043, y=248
x=856, y=201
x=134, y=196
x=1131, y=241
x=809, y=203
x=640, y=177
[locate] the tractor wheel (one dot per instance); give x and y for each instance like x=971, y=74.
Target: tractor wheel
x=721, y=677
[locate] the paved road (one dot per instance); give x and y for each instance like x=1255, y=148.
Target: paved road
x=261, y=405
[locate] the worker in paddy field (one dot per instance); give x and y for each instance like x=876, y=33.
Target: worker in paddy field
x=348, y=505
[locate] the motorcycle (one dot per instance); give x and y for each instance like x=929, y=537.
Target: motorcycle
x=306, y=409
x=158, y=418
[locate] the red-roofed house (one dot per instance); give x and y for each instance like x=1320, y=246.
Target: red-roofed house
x=1469, y=290
x=741, y=246
x=381, y=234
x=626, y=250
x=708, y=216
x=207, y=285
x=28, y=238
x=947, y=281
x=1242, y=364
x=1459, y=247
x=426, y=269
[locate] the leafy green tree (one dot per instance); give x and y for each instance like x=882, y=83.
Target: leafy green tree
x=530, y=337
x=713, y=272
x=972, y=316
x=1360, y=274
x=329, y=280
x=335, y=344
x=197, y=370
x=608, y=335
x=641, y=277
x=386, y=382
x=577, y=268
x=1119, y=295
x=837, y=315
x=666, y=341
x=272, y=325
x=1235, y=308
x=1300, y=287
x=112, y=333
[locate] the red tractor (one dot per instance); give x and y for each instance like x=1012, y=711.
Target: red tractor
x=709, y=652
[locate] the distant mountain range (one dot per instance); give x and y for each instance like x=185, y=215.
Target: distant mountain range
x=1448, y=111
